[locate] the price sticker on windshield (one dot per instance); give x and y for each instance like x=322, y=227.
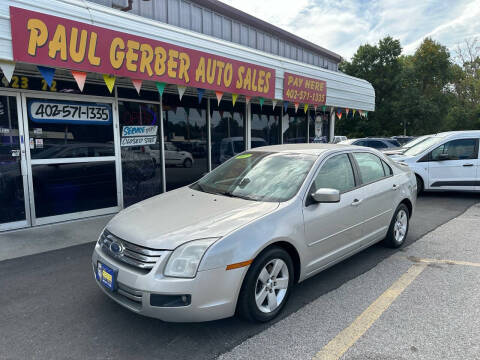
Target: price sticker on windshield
x=243, y=156
x=69, y=112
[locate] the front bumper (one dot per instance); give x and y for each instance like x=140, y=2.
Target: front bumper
x=213, y=292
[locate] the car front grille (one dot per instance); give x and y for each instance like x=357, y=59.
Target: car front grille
x=139, y=257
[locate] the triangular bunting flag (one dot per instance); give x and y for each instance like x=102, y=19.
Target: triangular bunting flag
x=262, y=101
x=181, y=90
x=296, y=107
x=285, y=106
x=274, y=103
x=353, y=112
x=248, y=98
x=137, y=83
x=47, y=73
x=200, y=93
x=366, y=114
x=234, y=98
x=347, y=110
x=219, y=96
x=339, y=114
x=324, y=108
x=360, y=112
x=305, y=108
x=160, y=87
x=315, y=108
x=109, y=81
x=80, y=78
x=331, y=109
x=8, y=68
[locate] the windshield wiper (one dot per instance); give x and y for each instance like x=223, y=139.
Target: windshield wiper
x=230, y=194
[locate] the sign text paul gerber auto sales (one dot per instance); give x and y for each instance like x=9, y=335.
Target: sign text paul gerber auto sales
x=57, y=42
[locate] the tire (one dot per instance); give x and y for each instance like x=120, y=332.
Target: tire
x=398, y=230
x=420, y=185
x=253, y=286
x=187, y=163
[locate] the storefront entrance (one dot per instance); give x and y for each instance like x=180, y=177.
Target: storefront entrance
x=57, y=158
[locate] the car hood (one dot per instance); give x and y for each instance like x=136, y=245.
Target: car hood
x=167, y=221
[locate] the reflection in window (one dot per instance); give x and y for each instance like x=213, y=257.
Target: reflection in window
x=227, y=130
x=185, y=127
x=336, y=173
x=371, y=168
x=56, y=138
x=461, y=149
x=141, y=170
x=295, y=127
x=265, y=125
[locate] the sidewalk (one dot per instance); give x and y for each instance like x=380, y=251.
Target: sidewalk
x=39, y=239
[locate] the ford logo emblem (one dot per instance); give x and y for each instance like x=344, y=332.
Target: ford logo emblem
x=116, y=248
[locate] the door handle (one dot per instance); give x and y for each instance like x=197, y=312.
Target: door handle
x=467, y=165
x=356, y=202
x=395, y=187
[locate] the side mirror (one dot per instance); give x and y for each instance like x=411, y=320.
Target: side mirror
x=326, y=196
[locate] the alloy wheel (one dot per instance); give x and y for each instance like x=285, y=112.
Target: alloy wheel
x=400, y=227
x=271, y=285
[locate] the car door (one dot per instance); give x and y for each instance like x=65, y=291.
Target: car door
x=378, y=184
x=331, y=229
x=454, y=165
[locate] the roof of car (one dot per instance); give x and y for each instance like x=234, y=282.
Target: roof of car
x=459, y=132
x=312, y=148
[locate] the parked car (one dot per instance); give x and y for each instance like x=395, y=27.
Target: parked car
x=337, y=139
x=173, y=156
x=445, y=161
x=374, y=143
x=402, y=139
x=240, y=237
x=405, y=147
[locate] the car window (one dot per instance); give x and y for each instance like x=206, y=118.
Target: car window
x=388, y=170
x=361, y=143
x=393, y=142
x=371, y=168
x=462, y=149
x=376, y=144
x=336, y=173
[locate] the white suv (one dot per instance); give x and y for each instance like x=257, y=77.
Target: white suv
x=445, y=161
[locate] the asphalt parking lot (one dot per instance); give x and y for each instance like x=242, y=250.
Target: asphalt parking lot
x=52, y=309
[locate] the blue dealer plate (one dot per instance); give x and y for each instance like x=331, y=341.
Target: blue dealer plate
x=108, y=277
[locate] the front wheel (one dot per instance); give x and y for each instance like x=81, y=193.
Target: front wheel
x=187, y=163
x=398, y=230
x=267, y=286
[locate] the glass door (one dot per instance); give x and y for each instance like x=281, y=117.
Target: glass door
x=13, y=207
x=71, y=156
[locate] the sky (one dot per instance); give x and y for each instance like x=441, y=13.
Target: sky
x=343, y=25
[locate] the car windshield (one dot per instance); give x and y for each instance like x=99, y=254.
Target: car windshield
x=259, y=176
x=414, y=142
x=424, y=145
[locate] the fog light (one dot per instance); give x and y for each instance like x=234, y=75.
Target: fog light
x=170, y=300
x=99, y=271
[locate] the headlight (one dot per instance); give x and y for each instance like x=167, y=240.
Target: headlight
x=185, y=259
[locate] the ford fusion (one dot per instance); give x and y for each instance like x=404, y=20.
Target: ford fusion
x=237, y=240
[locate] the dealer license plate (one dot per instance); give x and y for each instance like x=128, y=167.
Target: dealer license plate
x=107, y=276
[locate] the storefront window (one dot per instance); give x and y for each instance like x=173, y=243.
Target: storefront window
x=295, y=129
x=185, y=132
x=69, y=129
x=228, y=130
x=73, y=187
x=265, y=125
x=140, y=150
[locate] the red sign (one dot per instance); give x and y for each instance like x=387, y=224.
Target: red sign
x=301, y=89
x=56, y=42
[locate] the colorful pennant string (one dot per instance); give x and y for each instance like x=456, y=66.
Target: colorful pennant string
x=219, y=96
x=48, y=73
x=109, y=81
x=296, y=107
x=200, y=93
x=339, y=114
x=181, y=90
x=137, y=84
x=305, y=108
x=247, y=99
x=347, y=110
x=274, y=103
x=285, y=106
x=160, y=87
x=234, y=98
x=262, y=101
x=80, y=78
x=8, y=67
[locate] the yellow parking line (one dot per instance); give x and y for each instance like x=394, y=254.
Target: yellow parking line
x=347, y=337
x=449, y=262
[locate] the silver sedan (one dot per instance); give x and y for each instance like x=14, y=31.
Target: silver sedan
x=238, y=239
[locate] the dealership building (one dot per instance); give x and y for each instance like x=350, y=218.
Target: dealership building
x=105, y=103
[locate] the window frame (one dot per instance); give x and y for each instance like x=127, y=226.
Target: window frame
x=428, y=157
x=385, y=176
